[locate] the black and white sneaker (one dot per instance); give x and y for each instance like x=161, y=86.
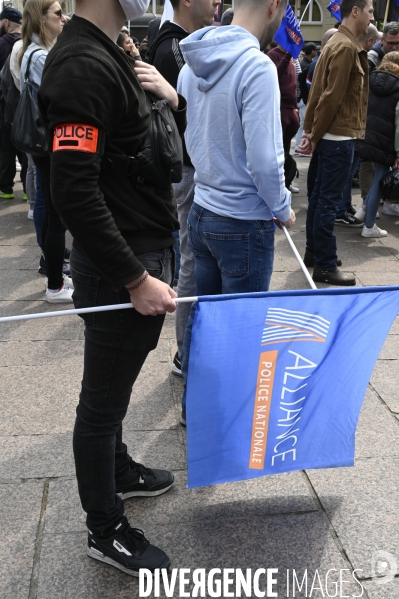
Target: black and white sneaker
x=127, y=549
x=176, y=365
x=144, y=482
x=348, y=220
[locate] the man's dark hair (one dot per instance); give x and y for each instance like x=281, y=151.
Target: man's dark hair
x=175, y=3
x=347, y=5
x=392, y=28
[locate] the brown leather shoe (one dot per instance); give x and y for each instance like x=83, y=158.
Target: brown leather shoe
x=333, y=277
x=308, y=260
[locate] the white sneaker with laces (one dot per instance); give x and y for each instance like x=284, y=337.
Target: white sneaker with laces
x=360, y=214
x=294, y=189
x=67, y=281
x=63, y=296
x=390, y=209
x=373, y=232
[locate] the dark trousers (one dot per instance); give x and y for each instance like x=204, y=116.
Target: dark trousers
x=116, y=346
x=8, y=154
x=335, y=161
x=53, y=231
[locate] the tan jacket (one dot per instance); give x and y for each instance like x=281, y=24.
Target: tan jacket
x=338, y=96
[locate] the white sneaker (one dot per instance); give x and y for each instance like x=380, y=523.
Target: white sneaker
x=360, y=214
x=390, y=209
x=373, y=232
x=30, y=214
x=63, y=296
x=67, y=281
x=294, y=189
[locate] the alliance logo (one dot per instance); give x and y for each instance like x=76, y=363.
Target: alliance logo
x=284, y=326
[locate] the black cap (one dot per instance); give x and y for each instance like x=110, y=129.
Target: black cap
x=309, y=47
x=12, y=14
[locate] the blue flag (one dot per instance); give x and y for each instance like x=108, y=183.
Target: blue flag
x=335, y=9
x=289, y=35
x=276, y=380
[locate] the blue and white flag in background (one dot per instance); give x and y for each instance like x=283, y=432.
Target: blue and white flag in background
x=335, y=9
x=276, y=380
x=289, y=35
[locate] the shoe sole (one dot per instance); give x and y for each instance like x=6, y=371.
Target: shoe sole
x=130, y=494
x=338, y=224
x=176, y=371
x=111, y=562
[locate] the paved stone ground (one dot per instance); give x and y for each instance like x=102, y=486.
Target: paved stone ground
x=315, y=520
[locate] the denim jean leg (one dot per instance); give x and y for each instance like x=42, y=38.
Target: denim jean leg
x=372, y=200
x=231, y=256
x=347, y=195
x=184, y=193
x=335, y=162
x=116, y=346
x=313, y=198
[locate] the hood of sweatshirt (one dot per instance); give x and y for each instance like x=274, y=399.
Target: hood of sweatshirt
x=210, y=52
x=378, y=48
x=384, y=83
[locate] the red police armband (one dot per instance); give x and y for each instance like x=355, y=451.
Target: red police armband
x=83, y=138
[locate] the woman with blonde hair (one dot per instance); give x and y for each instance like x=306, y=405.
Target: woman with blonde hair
x=381, y=142
x=42, y=23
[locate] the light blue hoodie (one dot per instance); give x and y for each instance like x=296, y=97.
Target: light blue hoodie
x=233, y=133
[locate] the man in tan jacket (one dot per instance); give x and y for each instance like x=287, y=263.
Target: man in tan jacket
x=335, y=116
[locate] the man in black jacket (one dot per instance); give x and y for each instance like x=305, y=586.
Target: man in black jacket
x=93, y=103
x=10, y=32
x=166, y=56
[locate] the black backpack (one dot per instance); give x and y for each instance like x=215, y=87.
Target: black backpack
x=160, y=161
x=9, y=94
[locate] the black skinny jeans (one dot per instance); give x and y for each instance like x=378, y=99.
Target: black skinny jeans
x=8, y=154
x=116, y=346
x=53, y=232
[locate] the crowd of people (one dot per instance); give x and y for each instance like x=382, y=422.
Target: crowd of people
x=238, y=100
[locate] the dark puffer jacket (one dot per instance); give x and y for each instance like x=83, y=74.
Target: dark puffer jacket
x=379, y=142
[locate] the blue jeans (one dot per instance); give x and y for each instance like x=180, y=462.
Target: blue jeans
x=335, y=161
x=230, y=256
x=116, y=346
x=39, y=212
x=347, y=195
x=373, y=197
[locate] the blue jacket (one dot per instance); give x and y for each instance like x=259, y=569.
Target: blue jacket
x=233, y=134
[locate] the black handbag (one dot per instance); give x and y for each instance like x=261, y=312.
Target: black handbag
x=28, y=133
x=389, y=187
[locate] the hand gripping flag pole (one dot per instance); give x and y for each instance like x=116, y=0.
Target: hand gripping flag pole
x=178, y=300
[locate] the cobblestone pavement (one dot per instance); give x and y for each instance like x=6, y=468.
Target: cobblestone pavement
x=315, y=520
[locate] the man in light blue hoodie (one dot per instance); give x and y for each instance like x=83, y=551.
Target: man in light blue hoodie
x=234, y=139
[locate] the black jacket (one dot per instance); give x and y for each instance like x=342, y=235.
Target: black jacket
x=379, y=142
x=6, y=43
x=167, y=58
x=88, y=84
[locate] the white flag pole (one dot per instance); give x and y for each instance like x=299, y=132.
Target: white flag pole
x=298, y=257
x=303, y=14
x=178, y=300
